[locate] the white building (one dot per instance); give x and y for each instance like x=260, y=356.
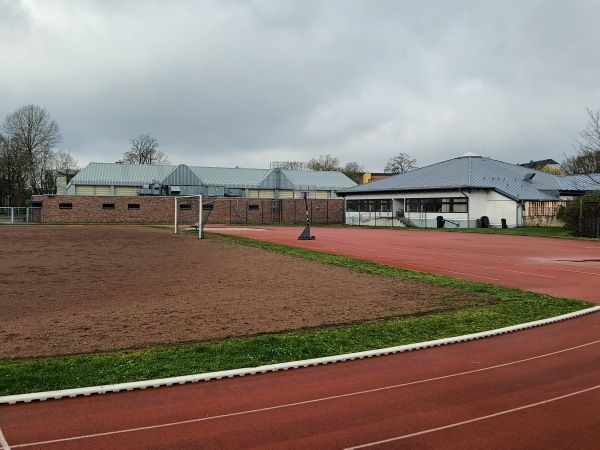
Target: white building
x=467, y=191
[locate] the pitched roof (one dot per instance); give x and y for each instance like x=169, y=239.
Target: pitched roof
x=540, y=164
x=324, y=180
x=121, y=174
x=230, y=177
x=142, y=174
x=469, y=171
x=586, y=182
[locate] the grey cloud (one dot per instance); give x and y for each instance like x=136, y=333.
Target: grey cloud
x=245, y=82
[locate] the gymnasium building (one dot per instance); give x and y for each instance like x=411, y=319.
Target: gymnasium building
x=114, y=192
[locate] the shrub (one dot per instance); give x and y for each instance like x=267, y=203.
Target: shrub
x=582, y=215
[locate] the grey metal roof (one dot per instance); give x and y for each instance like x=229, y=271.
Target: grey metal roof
x=121, y=174
x=230, y=177
x=327, y=181
x=588, y=182
x=140, y=174
x=182, y=176
x=469, y=172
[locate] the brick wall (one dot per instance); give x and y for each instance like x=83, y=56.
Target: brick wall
x=107, y=209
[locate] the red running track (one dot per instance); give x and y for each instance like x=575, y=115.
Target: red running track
x=559, y=267
x=538, y=388
x=534, y=388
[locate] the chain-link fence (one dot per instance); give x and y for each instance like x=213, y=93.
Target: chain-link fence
x=589, y=220
x=17, y=215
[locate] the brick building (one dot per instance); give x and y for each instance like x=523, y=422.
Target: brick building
x=161, y=209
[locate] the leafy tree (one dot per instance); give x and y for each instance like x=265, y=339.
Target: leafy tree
x=144, y=150
x=324, y=163
x=354, y=171
x=582, y=215
x=400, y=164
x=587, y=148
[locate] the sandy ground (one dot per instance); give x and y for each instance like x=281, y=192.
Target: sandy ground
x=84, y=288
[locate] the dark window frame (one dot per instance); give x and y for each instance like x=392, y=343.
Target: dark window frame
x=369, y=205
x=438, y=205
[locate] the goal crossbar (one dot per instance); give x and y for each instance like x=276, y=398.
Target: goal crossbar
x=199, y=223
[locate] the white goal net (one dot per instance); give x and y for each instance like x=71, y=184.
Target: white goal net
x=188, y=213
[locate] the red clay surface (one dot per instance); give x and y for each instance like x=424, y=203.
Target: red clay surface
x=559, y=267
x=537, y=388
x=81, y=289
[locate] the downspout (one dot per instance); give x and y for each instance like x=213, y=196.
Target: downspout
x=468, y=213
x=346, y=211
x=278, y=182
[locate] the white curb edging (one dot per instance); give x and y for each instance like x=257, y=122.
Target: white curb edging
x=41, y=396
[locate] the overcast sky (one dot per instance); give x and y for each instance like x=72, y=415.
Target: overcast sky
x=230, y=83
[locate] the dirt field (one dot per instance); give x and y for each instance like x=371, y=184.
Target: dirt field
x=81, y=288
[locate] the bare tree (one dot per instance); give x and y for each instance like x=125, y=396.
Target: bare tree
x=291, y=165
x=400, y=164
x=144, y=150
x=65, y=164
x=13, y=175
x=31, y=135
x=587, y=148
x=324, y=163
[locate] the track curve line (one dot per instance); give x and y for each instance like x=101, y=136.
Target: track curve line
x=78, y=392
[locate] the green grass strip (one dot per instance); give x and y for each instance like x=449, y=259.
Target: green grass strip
x=515, y=306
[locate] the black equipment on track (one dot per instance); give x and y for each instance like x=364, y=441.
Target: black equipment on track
x=305, y=235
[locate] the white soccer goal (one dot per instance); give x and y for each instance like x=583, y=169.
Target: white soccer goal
x=198, y=224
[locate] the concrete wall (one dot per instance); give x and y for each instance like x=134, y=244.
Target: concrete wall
x=496, y=207
x=141, y=209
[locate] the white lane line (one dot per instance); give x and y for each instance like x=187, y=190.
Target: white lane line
x=305, y=402
x=3, y=442
x=477, y=419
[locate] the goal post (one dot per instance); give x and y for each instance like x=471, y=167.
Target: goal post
x=198, y=224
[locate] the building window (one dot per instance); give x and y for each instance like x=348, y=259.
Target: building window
x=109, y=206
x=437, y=205
x=253, y=207
x=376, y=205
x=208, y=207
x=65, y=206
x=133, y=206
x=185, y=207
